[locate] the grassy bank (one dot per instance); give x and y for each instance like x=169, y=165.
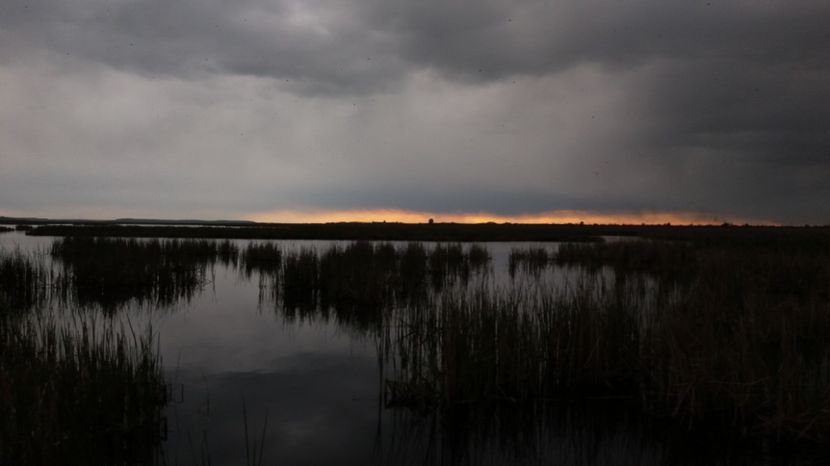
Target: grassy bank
x=446, y=232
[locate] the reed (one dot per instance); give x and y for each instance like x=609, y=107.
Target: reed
x=448, y=262
x=515, y=345
x=723, y=329
x=87, y=393
x=666, y=259
x=24, y=281
x=413, y=285
x=300, y=281
x=361, y=276
x=530, y=260
x=360, y=280
x=111, y=273
x=261, y=257
x=738, y=345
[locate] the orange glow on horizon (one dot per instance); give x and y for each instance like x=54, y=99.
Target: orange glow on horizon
x=554, y=216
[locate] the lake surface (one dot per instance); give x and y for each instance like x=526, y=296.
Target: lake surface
x=307, y=388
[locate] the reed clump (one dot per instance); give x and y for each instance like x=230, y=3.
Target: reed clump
x=666, y=259
x=78, y=394
x=711, y=334
x=448, y=262
x=413, y=285
x=530, y=260
x=515, y=345
x=24, y=281
x=111, y=272
x=262, y=257
x=478, y=256
x=727, y=331
x=359, y=275
x=361, y=279
x=301, y=280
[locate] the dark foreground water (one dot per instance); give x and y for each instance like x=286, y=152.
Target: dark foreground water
x=252, y=383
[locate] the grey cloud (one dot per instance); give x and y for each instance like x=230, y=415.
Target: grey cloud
x=755, y=132
x=365, y=45
x=510, y=107
x=496, y=39
x=317, y=47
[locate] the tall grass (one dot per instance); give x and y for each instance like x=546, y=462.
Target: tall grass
x=530, y=260
x=360, y=279
x=739, y=344
x=113, y=272
x=264, y=257
x=515, y=345
x=728, y=331
x=666, y=259
x=300, y=280
x=80, y=394
x=25, y=282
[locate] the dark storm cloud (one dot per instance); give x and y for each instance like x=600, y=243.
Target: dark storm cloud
x=360, y=45
x=532, y=105
x=316, y=46
x=496, y=38
x=757, y=131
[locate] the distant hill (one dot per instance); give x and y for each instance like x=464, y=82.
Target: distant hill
x=119, y=221
x=151, y=221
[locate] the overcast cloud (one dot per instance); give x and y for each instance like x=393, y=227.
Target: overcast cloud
x=228, y=109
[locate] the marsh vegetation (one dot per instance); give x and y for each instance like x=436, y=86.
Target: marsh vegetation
x=720, y=331
x=84, y=392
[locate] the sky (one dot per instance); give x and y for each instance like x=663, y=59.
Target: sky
x=459, y=110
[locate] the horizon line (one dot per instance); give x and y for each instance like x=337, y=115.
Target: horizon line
x=398, y=216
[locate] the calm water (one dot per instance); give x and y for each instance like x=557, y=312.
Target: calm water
x=240, y=371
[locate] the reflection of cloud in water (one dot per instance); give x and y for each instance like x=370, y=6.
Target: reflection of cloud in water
x=225, y=331
x=321, y=410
